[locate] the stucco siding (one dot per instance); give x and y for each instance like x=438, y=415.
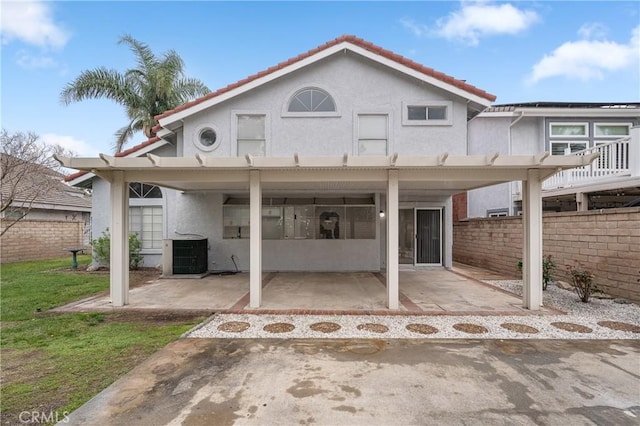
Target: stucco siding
x=481, y=201
x=486, y=135
x=527, y=136
x=357, y=86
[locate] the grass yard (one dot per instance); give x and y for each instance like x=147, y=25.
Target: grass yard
x=53, y=363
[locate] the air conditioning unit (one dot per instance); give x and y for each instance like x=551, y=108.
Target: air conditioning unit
x=189, y=256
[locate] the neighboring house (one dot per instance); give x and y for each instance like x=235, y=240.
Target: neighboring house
x=36, y=192
x=41, y=209
x=561, y=129
x=343, y=158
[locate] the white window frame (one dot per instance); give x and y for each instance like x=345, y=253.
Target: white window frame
x=148, y=202
x=552, y=142
x=356, y=129
x=151, y=202
x=611, y=137
x=196, y=137
x=234, y=129
x=426, y=104
x=319, y=114
x=498, y=212
x=584, y=124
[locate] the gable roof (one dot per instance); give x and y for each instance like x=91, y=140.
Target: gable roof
x=349, y=42
x=38, y=185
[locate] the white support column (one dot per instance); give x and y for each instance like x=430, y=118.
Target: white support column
x=119, y=272
x=634, y=151
x=532, y=240
x=393, y=288
x=255, y=238
x=582, y=202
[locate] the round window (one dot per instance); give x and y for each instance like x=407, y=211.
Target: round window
x=208, y=137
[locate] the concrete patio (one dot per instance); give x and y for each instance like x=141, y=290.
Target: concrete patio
x=428, y=291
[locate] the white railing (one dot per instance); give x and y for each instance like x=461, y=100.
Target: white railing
x=613, y=161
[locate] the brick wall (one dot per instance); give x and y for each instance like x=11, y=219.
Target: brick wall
x=607, y=242
x=459, y=206
x=39, y=239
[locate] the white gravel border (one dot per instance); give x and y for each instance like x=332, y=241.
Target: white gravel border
x=586, y=314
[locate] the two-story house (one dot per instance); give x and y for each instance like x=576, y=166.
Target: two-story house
x=343, y=158
x=561, y=128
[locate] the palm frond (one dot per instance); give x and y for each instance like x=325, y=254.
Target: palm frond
x=97, y=83
x=186, y=89
x=155, y=85
x=144, y=55
x=123, y=135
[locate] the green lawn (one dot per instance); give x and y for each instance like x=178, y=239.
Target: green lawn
x=56, y=362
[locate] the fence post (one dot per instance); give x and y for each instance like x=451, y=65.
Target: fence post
x=634, y=151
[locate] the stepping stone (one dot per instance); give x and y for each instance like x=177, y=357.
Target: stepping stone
x=422, y=328
x=470, y=328
x=325, y=327
x=569, y=326
x=279, y=327
x=234, y=326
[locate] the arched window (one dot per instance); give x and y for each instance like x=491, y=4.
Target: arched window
x=144, y=190
x=312, y=100
x=145, y=215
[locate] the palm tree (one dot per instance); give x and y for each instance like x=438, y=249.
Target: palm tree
x=154, y=86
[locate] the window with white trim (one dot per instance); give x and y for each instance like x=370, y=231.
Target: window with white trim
x=206, y=138
x=427, y=113
x=251, y=134
x=144, y=190
x=611, y=130
x=569, y=130
x=498, y=213
x=311, y=100
x=567, y=147
x=566, y=138
x=145, y=215
x=373, y=134
x=146, y=222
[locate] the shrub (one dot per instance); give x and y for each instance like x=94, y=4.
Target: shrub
x=582, y=280
x=548, y=266
x=102, y=250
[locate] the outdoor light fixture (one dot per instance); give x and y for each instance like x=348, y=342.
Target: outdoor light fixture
x=381, y=214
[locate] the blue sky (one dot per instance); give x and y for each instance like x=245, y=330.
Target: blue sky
x=520, y=51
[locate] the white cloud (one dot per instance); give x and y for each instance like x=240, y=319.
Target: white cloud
x=475, y=20
x=588, y=59
x=418, y=30
x=28, y=61
x=31, y=22
x=79, y=147
x=592, y=31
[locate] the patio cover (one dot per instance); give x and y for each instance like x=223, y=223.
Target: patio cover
x=443, y=172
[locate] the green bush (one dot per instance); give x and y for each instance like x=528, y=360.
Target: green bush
x=102, y=250
x=548, y=266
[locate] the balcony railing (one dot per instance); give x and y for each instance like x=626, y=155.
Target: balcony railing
x=613, y=161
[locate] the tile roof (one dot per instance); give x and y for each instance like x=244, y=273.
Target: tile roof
x=345, y=38
x=120, y=154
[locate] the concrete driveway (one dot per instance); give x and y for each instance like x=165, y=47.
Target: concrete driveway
x=376, y=382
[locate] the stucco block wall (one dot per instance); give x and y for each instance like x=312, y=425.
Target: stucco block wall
x=607, y=242
x=40, y=239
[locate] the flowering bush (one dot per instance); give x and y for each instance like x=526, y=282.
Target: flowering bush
x=582, y=280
